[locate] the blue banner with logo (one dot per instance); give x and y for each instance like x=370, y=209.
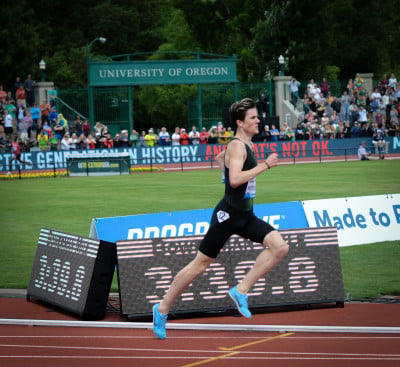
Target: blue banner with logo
x=199, y=153
x=189, y=222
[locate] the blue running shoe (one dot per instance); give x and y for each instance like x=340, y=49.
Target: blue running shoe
x=241, y=302
x=159, y=321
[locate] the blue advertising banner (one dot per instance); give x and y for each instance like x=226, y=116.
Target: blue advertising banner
x=199, y=153
x=189, y=222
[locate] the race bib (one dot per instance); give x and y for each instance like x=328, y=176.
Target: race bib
x=250, y=189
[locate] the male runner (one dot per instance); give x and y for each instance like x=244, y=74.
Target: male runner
x=16, y=150
x=233, y=215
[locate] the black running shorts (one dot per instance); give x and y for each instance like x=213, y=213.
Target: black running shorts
x=225, y=222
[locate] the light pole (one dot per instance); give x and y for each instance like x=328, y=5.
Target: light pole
x=90, y=89
x=281, y=60
x=42, y=67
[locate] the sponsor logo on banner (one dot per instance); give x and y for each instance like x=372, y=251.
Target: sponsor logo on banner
x=359, y=220
x=189, y=223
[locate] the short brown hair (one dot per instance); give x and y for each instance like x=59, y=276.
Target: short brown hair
x=238, y=110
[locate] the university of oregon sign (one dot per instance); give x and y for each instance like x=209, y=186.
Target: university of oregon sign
x=107, y=74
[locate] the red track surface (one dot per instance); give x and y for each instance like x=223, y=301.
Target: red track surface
x=80, y=346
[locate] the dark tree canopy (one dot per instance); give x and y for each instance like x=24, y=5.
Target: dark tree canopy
x=346, y=36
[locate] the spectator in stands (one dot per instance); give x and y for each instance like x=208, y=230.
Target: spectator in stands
x=163, y=137
x=176, y=136
x=336, y=105
x=29, y=86
x=59, y=130
x=76, y=126
x=134, y=139
x=212, y=135
x=394, y=114
x=81, y=143
x=393, y=129
x=289, y=135
x=8, y=125
x=299, y=131
x=53, y=116
x=324, y=86
x=363, y=154
x=20, y=95
x=151, y=138
x=397, y=93
x=294, y=86
x=10, y=98
x=347, y=129
x=43, y=140
x=65, y=142
x=99, y=140
x=356, y=130
x=53, y=94
x=17, y=85
x=309, y=134
x=20, y=112
x=392, y=83
x=345, y=106
x=354, y=115
x=73, y=141
x=375, y=107
x=124, y=139
x=307, y=101
x=204, y=136
x=367, y=130
x=194, y=136
x=98, y=128
x=282, y=132
x=104, y=132
x=383, y=84
x=90, y=142
x=12, y=110
x=35, y=113
x=54, y=142
x=266, y=134
x=63, y=122
x=274, y=133
x=358, y=84
x=116, y=140
x=184, y=137
x=3, y=95
x=86, y=127
x=376, y=95
x=45, y=111
x=379, y=119
x=28, y=122
x=23, y=131
x=340, y=131
x=142, y=141
x=312, y=87
x=362, y=115
x=46, y=128
x=324, y=120
x=350, y=88
x=223, y=136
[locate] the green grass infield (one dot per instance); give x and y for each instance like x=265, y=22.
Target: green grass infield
x=69, y=204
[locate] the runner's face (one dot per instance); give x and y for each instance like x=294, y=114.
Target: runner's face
x=251, y=122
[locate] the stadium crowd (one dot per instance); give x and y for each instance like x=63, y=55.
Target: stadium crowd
x=355, y=113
